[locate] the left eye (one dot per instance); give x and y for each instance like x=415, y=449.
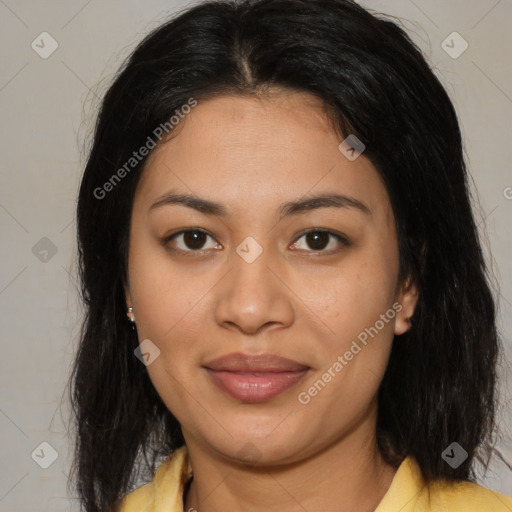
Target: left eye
x=318, y=239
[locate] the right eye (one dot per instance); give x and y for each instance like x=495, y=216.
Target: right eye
x=192, y=240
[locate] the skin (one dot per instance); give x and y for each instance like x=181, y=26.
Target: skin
x=295, y=300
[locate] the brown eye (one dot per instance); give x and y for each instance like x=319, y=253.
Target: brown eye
x=319, y=239
x=194, y=239
x=188, y=240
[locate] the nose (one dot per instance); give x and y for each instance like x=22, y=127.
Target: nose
x=253, y=296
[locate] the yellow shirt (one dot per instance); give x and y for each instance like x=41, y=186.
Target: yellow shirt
x=407, y=492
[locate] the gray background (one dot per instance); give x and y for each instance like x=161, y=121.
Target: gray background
x=48, y=108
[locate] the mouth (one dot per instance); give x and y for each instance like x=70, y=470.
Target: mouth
x=254, y=379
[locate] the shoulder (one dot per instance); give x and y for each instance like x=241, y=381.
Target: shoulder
x=467, y=497
x=139, y=500
x=409, y=493
x=165, y=490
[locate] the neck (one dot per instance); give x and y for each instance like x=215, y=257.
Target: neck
x=348, y=475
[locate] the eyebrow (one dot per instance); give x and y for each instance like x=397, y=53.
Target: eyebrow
x=307, y=204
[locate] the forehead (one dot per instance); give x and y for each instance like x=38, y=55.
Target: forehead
x=257, y=151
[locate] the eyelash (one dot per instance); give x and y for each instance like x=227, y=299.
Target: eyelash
x=338, y=236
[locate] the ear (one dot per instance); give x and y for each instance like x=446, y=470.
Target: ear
x=408, y=298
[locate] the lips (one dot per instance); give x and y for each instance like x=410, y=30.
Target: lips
x=238, y=362
x=254, y=378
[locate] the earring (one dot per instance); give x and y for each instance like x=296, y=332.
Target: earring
x=131, y=317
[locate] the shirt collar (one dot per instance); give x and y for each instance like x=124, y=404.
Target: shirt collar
x=170, y=481
x=405, y=489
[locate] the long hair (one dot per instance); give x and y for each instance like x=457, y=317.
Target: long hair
x=440, y=382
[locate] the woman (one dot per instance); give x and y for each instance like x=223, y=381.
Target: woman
x=285, y=292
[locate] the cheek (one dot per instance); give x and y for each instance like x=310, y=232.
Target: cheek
x=359, y=293
x=165, y=298
x=355, y=357
x=168, y=313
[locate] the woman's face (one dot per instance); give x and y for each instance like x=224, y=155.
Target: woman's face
x=253, y=282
